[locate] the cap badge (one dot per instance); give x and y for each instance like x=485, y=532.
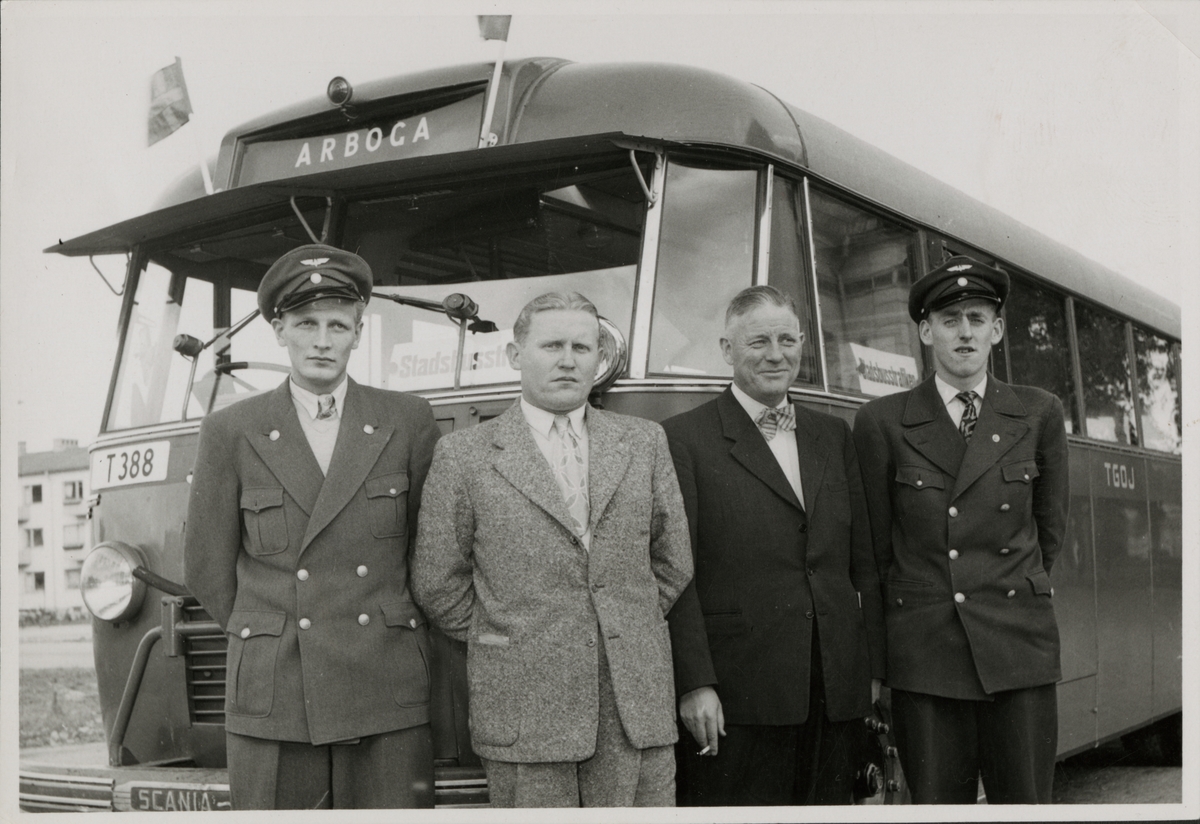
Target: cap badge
x=315, y=277
x=315, y=261
x=960, y=267
x=961, y=281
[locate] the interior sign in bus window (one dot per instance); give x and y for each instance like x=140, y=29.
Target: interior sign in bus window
x=135, y=463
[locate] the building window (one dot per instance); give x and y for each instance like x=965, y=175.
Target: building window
x=73, y=491
x=72, y=576
x=33, y=494
x=35, y=582
x=33, y=538
x=73, y=536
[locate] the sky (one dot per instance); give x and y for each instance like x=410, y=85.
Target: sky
x=1077, y=118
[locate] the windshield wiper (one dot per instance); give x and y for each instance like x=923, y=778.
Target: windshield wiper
x=460, y=309
x=191, y=347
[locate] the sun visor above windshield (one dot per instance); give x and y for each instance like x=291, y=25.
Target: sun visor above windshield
x=215, y=213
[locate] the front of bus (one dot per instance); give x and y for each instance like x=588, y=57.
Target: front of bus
x=651, y=190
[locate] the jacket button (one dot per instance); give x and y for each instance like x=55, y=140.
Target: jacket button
x=953, y=512
x=811, y=572
x=302, y=574
x=412, y=622
x=959, y=597
x=361, y=571
x=591, y=642
x=1005, y=551
x=274, y=435
x=245, y=633
x=995, y=439
x=305, y=623
x=1005, y=507
x=809, y=615
x=392, y=491
x=364, y=619
x=899, y=602
x=953, y=554
x=370, y=430
x=1012, y=593
x=804, y=527
x=920, y=482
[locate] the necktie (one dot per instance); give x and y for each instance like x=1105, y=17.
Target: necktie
x=770, y=421
x=569, y=472
x=325, y=408
x=970, y=414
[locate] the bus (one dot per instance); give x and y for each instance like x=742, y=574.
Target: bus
x=658, y=191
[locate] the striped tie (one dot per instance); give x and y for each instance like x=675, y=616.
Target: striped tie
x=770, y=421
x=570, y=474
x=970, y=414
x=325, y=408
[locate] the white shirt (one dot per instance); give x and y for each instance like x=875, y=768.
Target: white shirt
x=542, y=424
x=953, y=405
x=783, y=445
x=321, y=435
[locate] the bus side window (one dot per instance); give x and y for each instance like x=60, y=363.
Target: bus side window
x=1104, y=361
x=788, y=271
x=1158, y=391
x=706, y=256
x=1039, y=351
x=864, y=269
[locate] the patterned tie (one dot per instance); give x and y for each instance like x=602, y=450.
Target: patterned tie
x=771, y=421
x=569, y=472
x=325, y=409
x=970, y=414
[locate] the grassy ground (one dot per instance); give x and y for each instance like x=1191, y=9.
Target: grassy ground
x=59, y=706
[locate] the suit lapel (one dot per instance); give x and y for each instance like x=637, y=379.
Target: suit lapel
x=520, y=462
x=288, y=455
x=929, y=430
x=999, y=428
x=608, y=461
x=813, y=457
x=354, y=454
x=751, y=451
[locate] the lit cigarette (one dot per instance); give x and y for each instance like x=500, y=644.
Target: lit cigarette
x=705, y=751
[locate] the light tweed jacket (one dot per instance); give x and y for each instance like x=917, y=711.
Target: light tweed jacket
x=496, y=565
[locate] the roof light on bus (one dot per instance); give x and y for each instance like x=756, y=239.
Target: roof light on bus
x=106, y=581
x=339, y=91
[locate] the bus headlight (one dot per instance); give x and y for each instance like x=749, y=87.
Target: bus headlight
x=109, y=589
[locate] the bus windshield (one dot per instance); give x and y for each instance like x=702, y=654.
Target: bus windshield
x=500, y=242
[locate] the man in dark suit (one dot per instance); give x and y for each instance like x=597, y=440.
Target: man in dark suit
x=966, y=481
x=303, y=507
x=779, y=637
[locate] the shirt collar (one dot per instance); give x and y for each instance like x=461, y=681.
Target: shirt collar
x=543, y=421
x=308, y=400
x=948, y=392
x=753, y=408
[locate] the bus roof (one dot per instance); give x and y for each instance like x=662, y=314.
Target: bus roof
x=545, y=99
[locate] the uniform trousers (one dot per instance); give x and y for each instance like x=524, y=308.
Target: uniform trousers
x=617, y=775
x=760, y=765
x=385, y=771
x=947, y=744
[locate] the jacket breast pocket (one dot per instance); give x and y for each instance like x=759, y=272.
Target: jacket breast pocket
x=1022, y=472
x=254, y=638
x=920, y=477
x=387, y=500
x=410, y=637
x=265, y=521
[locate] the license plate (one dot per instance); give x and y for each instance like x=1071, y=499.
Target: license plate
x=136, y=463
x=154, y=797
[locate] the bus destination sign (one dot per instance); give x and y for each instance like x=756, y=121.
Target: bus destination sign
x=451, y=128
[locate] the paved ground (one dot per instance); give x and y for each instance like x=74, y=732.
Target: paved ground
x=61, y=647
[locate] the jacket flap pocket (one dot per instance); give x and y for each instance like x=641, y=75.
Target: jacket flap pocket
x=402, y=614
x=387, y=486
x=246, y=623
x=1023, y=471
x=920, y=477
x=725, y=623
x=1041, y=582
x=260, y=498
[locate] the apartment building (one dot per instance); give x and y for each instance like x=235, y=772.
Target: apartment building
x=53, y=529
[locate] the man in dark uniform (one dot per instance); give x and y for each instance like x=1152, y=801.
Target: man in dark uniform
x=303, y=508
x=779, y=639
x=966, y=481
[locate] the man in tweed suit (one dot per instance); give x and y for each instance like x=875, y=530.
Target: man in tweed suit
x=967, y=487
x=553, y=541
x=303, y=503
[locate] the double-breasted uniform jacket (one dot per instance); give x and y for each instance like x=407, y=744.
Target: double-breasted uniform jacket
x=769, y=570
x=497, y=566
x=965, y=535
x=309, y=574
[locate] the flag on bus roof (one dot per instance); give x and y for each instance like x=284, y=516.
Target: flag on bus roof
x=494, y=26
x=170, y=106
